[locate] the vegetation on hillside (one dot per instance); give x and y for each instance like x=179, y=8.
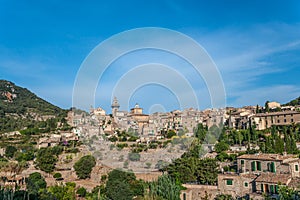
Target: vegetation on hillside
x=84, y=166
x=21, y=108
x=294, y=102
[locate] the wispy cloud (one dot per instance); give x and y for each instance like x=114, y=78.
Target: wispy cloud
x=281, y=93
x=246, y=55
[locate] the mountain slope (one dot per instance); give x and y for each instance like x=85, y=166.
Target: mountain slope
x=19, y=107
x=294, y=102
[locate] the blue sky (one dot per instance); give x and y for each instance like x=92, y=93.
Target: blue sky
x=255, y=45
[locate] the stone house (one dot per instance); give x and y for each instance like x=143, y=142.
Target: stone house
x=237, y=185
x=266, y=120
x=259, y=174
x=193, y=192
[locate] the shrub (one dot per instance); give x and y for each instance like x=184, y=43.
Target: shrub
x=10, y=151
x=134, y=156
x=81, y=191
x=57, y=175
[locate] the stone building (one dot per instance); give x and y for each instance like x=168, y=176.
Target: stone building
x=136, y=115
x=266, y=120
x=193, y=192
x=115, y=106
x=259, y=174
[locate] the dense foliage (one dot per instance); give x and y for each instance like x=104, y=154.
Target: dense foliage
x=123, y=185
x=165, y=187
x=22, y=105
x=34, y=183
x=294, y=102
x=10, y=151
x=192, y=169
x=47, y=158
x=286, y=193
x=84, y=166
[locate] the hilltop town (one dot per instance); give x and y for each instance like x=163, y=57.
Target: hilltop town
x=230, y=153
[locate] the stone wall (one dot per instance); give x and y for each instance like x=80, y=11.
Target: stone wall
x=240, y=186
x=148, y=176
x=193, y=192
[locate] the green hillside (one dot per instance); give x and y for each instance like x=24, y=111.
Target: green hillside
x=21, y=108
x=294, y=102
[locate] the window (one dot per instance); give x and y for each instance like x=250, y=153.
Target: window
x=292, y=120
x=246, y=184
x=296, y=168
x=184, y=196
x=229, y=182
x=253, y=166
x=284, y=120
x=272, y=167
x=258, y=164
x=272, y=190
x=278, y=121
x=262, y=187
x=242, y=162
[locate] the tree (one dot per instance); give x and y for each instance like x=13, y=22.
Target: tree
x=26, y=156
x=257, y=109
x=221, y=146
x=165, y=187
x=81, y=191
x=63, y=192
x=98, y=193
x=286, y=193
x=279, y=144
x=123, y=185
x=200, y=132
x=45, y=160
x=84, y=166
x=34, y=183
x=10, y=151
x=267, y=109
x=192, y=169
x=207, y=172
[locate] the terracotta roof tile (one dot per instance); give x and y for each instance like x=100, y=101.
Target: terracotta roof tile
x=270, y=157
x=274, y=178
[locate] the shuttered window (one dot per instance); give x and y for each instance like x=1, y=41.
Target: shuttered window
x=273, y=168
x=258, y=164
x=229, y=182
x=253, y=166
x=272, y=189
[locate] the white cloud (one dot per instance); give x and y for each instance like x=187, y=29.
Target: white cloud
x=246, y=55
